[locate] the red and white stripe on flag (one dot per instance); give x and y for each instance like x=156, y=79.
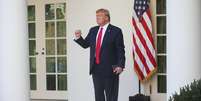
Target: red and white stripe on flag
x=144, y=54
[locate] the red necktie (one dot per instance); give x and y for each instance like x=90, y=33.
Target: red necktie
x=98, y=46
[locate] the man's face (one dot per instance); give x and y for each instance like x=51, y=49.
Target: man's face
x=101, y=18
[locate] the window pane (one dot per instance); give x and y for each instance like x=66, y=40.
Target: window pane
x=162, y=84
x=161, y=25
x=161, y=64
x=50, y=47
x=32, y=64
x=62, y=82
x=61, y=46
x=49, y=12
x=33, y=83
x=61, y=64
x=161, y=6
x=31, y=13
x=50, y=29
x=32, y=47
x=61, y=29
x=50, y=64
x=51, y=82
x=161, y=44
x=60, y=11
x=32, y=30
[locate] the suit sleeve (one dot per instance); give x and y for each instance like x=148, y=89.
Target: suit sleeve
x=84, y=43
x=119, y=44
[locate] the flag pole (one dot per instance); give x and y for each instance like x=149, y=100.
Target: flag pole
x=139, y=87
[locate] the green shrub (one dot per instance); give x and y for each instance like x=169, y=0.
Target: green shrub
x=190, y=92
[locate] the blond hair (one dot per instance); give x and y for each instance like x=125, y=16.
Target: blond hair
x=105, y=11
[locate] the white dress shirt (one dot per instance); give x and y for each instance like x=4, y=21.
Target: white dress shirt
x=103, y=32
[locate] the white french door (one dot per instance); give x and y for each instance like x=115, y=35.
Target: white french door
x=47, y=49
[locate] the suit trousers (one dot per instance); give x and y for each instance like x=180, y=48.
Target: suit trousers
x=105, y=88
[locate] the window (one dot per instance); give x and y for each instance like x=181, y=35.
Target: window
x=32, y=47
x=161, y=45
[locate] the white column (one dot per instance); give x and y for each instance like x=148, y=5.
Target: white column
x=14, y=68
x=183, y=43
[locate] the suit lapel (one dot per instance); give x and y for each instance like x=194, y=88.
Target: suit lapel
x=105, y=38
x=95, y=35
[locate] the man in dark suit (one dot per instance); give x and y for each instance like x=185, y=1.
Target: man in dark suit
x=107, y=56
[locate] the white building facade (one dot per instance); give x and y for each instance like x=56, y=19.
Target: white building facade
x=39, y=61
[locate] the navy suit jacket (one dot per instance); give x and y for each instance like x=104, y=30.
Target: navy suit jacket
x=112, y=49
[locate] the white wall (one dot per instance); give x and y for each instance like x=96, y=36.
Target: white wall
x=183, y=43
x=81, y=15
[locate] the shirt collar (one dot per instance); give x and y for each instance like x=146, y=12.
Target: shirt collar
x=105, y=26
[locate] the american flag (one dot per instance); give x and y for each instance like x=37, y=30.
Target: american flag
x=144, y=54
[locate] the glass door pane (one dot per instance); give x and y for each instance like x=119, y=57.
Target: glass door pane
x=32, y=46
x=161, y=45
x=56, y=46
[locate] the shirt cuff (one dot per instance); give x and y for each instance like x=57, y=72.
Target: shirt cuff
x=76, y=38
